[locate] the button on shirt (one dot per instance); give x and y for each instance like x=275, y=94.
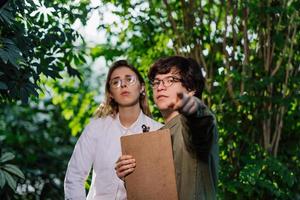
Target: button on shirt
x=99, y=148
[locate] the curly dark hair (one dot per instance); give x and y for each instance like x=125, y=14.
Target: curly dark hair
x=189, y=70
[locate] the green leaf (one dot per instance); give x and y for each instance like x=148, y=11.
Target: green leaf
x=73, y=72
x=10, y=180
x=6, y=157
x=14, y=170
x=2, y=179
x=24, y=95
x=53, y=74
x=32, y=89
x=249, y=173
x=3, y=86
x=10, y=52
x=6, y=16
x=4, y=56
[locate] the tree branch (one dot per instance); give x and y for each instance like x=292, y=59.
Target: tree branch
x=246, y=47
x=279, y=61
x=227, y=62
x=174, y=26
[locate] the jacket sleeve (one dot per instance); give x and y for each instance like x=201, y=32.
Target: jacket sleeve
x=79, y=166
x=202, y=134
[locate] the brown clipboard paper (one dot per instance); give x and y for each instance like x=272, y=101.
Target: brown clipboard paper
x=154, y=174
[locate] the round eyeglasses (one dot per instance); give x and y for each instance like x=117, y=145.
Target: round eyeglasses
x=118, y=82
x=167, y=81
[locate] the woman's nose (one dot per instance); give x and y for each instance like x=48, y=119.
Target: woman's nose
x=123, y=84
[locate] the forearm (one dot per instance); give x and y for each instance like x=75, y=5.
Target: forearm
x=202, y=110
x=74, y=184
x=78, y=168
x=202, y=130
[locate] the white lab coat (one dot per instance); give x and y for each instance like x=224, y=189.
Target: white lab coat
x=99, y=147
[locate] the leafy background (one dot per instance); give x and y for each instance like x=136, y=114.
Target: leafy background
x=249, y=51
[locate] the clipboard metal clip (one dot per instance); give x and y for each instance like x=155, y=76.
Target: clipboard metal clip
x=145, y=128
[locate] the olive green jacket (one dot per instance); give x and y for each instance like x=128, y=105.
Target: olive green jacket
x=196, y=156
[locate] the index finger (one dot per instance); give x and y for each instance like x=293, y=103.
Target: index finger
x=124, y=157
x=180, y=101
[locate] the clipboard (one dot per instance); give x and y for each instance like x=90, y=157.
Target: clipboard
x=154, y=174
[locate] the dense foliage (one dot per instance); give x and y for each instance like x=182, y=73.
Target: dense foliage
x=249, y=51
x=37, y=43
x=36, y=38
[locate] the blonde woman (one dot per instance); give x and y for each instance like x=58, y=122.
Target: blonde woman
x=124, y=112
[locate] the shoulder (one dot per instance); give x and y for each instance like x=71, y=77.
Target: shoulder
x=97, y=122
x=97, y=125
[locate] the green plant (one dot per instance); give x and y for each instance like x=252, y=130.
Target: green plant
x=9, y=173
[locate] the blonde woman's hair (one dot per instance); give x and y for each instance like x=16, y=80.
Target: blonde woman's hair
x=110, y=106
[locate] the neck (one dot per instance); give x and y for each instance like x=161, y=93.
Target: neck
x=169, y=115
x=128, y=115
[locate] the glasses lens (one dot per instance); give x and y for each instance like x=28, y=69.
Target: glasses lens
x=130, y=79
x=115, y=82
x=167, y=82
x=155, y=83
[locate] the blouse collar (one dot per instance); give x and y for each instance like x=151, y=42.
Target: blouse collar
x=132, y=125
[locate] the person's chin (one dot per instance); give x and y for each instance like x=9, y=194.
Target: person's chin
x=163, y=106
x=129, y=102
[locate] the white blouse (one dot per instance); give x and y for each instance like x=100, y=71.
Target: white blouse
x=99, y=147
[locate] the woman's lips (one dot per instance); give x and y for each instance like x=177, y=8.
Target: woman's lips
x=125, y=93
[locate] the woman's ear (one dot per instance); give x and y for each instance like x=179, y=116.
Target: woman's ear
x=142, y=90
x=110, y=95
